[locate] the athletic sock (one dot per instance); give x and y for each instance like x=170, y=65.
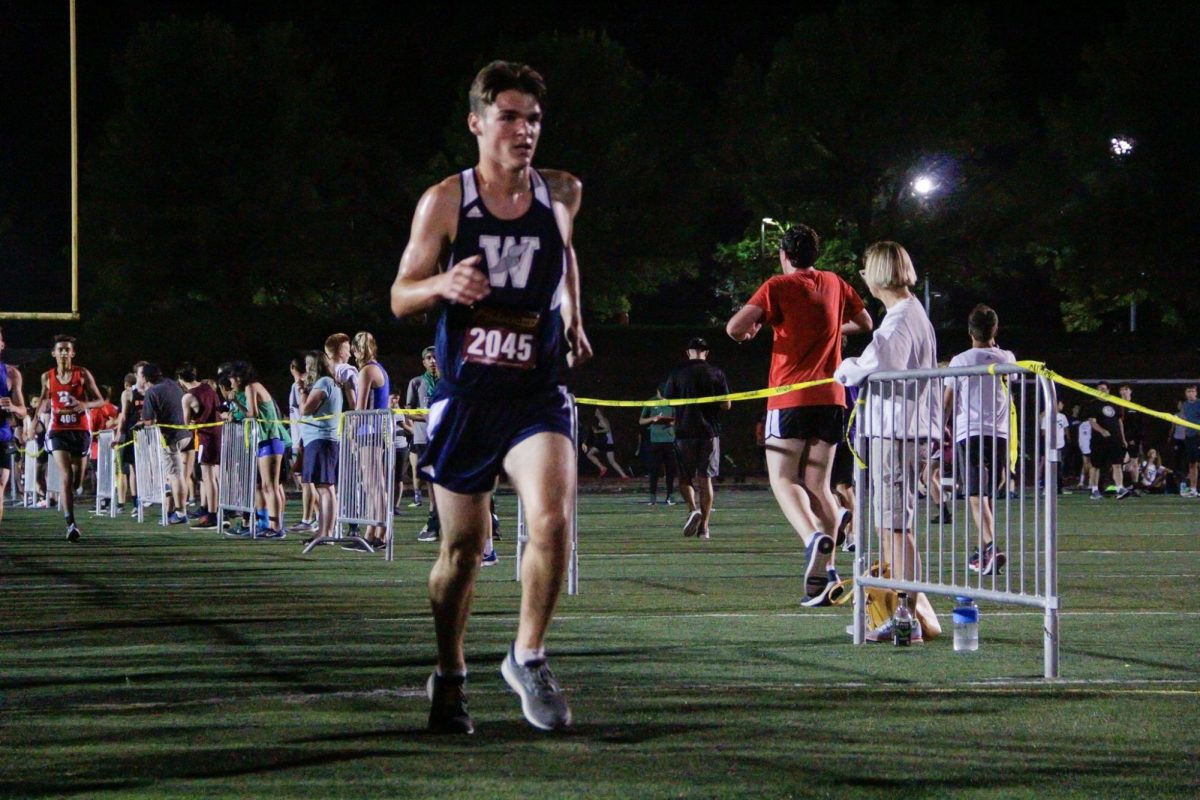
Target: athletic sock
x=526, y=657
x=457, y=673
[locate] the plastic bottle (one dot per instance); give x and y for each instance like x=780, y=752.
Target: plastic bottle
x=902, y=622
x=966, y=626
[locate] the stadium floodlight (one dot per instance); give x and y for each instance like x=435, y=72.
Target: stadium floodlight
x=924, y=186
x=1120, y=146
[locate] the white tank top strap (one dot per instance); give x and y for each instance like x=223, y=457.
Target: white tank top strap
x=470, y=192
x=541, y=190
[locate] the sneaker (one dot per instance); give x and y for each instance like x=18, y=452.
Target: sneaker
x=603, y=471
x=197, y=514
x=427, y=535
x=177, y=518
x=831, y=591
x=120, y=508
x=73, y=533
x=1096, y=494
x=992, y=561
x=973, y=562
x=651, y=502
x=303, y=526
x=272, y=533
x=845, y=521
x=490, y=558
x=1124, y=492
x=815, y=579
x=448, y=704
x=670, y=500
x=542, y=701
x=884, y=633
x=240, y=530
x=415, y=503
x=205, y=522
x=946, y=516
x=692, y=526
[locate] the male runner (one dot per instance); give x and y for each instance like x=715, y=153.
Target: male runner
x=12, y=409
x=809, y=310
x=697, y=427
x=1109, y=448
x=509, y=296
x=69, y=391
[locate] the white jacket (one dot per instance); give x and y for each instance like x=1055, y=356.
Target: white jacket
x=903, y=340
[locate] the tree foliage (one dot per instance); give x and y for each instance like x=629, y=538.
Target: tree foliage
x=225, y=180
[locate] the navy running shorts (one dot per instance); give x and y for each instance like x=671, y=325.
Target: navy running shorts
x=469, y=437
x=320, y=462
x=77, y=443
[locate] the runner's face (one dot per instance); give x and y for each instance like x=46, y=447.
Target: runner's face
x=508, y=130
x=64, y=352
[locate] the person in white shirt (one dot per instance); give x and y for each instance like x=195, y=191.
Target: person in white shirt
x=977, y=409
x=1085, y=450
x=896, y=422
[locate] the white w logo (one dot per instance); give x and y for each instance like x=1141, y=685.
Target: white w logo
x=514, y=261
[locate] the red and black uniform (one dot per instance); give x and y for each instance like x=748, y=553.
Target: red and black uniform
x=209, y=439
x=68, y=429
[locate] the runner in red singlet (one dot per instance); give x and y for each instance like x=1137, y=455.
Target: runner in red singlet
x=69, y=391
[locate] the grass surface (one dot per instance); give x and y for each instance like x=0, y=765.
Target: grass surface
x=145, y=662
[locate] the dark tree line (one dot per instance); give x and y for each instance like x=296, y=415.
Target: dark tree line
x=242, y=174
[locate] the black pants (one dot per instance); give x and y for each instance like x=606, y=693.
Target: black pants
x=662, y=455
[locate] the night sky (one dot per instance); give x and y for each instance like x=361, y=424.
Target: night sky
x=1043, y=47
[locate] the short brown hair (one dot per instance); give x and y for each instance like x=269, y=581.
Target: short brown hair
x=500, y=76
x=334, y=343
x=982, y=323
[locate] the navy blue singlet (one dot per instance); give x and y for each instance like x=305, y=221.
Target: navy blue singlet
x=508, y=345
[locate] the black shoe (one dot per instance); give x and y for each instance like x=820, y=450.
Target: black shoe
x=73, y=532
x=448, y=704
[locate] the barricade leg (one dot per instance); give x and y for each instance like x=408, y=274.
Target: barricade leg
x=573, y=563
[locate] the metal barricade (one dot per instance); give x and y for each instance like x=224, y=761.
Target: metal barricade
x=523, y=532
x=106, y=473
x=366, y=485
x=29, y=483
x=1000, y=459
x=148, y=454
x=237, y=475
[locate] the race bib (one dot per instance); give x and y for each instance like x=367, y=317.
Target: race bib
x=502, y=338
x=68, y=419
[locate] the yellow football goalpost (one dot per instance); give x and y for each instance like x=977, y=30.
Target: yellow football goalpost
x=73, y=314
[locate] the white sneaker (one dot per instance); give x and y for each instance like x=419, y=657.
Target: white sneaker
x=692, y=526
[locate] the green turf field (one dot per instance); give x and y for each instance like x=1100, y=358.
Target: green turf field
x=143, y=662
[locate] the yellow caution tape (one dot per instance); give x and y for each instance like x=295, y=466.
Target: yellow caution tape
x=691, y=401
x=1040, y=368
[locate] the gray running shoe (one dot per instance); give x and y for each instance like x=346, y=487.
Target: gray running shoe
x=427, y=535
x=816, y=555
x=448, y=704
x=542, y=701
x=692, y=526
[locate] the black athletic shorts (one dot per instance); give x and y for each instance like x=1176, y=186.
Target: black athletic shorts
x=695, y=457
x=77, y=443
x=1105, y=452
x=986, y=456
x=827, y=423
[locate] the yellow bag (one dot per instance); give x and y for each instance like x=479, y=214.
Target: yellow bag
x=881, y=603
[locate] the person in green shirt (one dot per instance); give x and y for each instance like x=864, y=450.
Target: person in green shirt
x=661, y=422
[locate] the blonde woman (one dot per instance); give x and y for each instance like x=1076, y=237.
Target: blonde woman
x=895, y=422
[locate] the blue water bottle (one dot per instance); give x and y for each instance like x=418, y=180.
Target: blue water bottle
x=966, y=625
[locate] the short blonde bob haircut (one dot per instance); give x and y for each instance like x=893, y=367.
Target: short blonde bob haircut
x=364, y=343
x=888, y=266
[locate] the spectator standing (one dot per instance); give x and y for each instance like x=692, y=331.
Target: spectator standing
x=659, y=421
x=894, y=422
x=164, y=406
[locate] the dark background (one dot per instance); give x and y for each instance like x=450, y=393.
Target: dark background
x=392, y=80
